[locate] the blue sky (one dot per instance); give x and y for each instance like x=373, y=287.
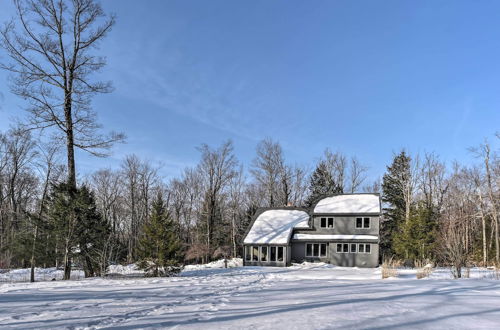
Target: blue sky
x=363, y=77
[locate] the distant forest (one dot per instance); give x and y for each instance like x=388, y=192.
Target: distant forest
x=50, y=216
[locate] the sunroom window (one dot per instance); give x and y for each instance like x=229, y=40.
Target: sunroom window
x=248, y=253
x=263, y=253
x=280, y=253
x=273, y=253
x=255, y=253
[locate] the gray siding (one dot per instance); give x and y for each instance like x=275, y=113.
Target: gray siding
x=343, y=225
x=338, y=259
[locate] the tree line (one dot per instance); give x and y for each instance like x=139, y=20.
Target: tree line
x=51, y=216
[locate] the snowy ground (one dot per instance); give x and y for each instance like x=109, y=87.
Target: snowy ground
x=309, y=296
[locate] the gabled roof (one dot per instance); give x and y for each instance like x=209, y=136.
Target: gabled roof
x=350, y=203
x=275, y=226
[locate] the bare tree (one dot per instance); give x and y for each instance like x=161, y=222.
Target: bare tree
x=492, y=189
x=357, y=174
x=268, y=167
x=217, y=168
x=50, y=44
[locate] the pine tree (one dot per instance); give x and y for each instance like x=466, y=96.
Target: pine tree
x=160, y=248
x=321, y=183
x=78, y=227
x=416, y=238
x=393, y=195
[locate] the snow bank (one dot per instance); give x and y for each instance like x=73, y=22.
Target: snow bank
x=231, y=263
x=355, y=203
x=131, y=269
x=275, y=226
x=41, y=274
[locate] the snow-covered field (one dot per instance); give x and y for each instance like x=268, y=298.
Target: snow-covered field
x=308, y=296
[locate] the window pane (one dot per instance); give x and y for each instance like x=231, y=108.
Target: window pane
x=263, y=253
x=248, y=253
x=368, y=248
x=330, y=222
x=323, y=250
x=323, y=222
x=316, y=250
x=280, y=253
x=346, y=248
x=255, y=253
x=308, y=250
x=273, y=253
x=359, y=222
x=367, y=223
x=339, y=248
x=353, y=248
x=361, y=248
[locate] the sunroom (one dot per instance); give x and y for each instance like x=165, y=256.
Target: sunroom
x=267, y=243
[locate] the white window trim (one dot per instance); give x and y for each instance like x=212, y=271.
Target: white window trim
x=364, y=248
x=342, y=250
x=363, y=223
x=326, y=222
x=319, y=250
x=350, y=247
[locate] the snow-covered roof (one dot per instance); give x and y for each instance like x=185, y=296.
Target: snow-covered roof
x=354, y=203
x=275, y=226
x=332, y=237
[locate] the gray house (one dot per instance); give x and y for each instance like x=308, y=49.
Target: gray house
x=341, y=229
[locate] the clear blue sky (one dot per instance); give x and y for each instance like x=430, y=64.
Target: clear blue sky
x=363, y=77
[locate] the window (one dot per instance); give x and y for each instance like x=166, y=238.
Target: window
x=280, y=253
x=273, y=253
x=353, y=248
x=326, y=223
x=255, y=253
x=322, y=250
x=342, y=248
x=263, y=253
x=364, y=248
x=248, y=253
x=363, y=223
x=309, y=248
x=316, y=250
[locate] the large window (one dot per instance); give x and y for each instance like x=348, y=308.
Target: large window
x=315, y=249
x=248, y=253
x=326, y=223
x=362, y=223
x=263, y=253
x=272, y=253
x=255, y=253
x=280, y=253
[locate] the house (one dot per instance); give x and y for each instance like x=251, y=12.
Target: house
x=340, y=229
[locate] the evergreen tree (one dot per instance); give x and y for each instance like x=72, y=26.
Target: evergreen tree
x=78, y=227
x=393, y=196
x=92, y=233
x=322, y=183
x=160, y=248
x=416, y=238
